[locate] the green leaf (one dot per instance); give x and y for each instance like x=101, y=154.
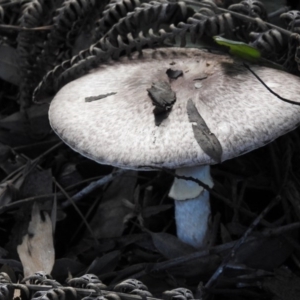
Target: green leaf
x=240, y=49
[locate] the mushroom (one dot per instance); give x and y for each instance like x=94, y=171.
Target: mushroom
x=176, y=108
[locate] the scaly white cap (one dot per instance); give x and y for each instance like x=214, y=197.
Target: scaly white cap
x=108, y=114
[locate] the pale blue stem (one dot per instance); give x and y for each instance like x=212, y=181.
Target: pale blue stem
x=192, y=219
x=192, y=207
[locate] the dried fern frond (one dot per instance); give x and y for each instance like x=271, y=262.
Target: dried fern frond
x=112, y=13
x=29, y=44
x=152, y=24
x=114, y=44
x=62, y=36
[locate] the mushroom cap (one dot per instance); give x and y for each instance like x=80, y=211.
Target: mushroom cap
x=120, y=128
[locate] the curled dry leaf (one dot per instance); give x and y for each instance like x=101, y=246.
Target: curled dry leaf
x=170, y=246
x=36, y=251
x=108, y=221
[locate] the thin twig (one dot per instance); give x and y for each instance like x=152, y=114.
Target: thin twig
x=278, y=12
x=84, y=192
x=37, y=144
x=18, y=203
x=212, y=281
x=94, y=185
x=165, y=265
x=269, y=89
x=269, y=232
x=77, y=210
x=34, y=161
x=18, y=28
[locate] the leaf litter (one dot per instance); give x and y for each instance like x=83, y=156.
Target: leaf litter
x=131, y=216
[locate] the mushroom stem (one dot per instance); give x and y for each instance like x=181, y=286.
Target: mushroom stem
x=192, y=207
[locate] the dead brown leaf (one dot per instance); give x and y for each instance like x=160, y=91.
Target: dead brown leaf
x=36, y=251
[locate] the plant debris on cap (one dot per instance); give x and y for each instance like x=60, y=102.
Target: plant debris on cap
x=163, y=98
x=120, y=129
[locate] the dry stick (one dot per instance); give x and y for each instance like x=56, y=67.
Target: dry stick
x=269, y=89
x=34, y=161
x=165, y=265
x=281, y=230
x=278, y=12
x=221, y=268
x=93, y=186
x=18, y=173
x=17, y=204
x=18, y=28
x=83, y=193
x=90, y=210
x=33, y=145
x=82, y=182
x=78, y=211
